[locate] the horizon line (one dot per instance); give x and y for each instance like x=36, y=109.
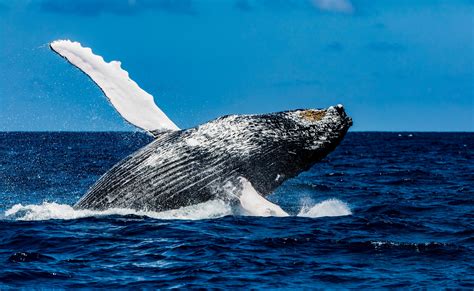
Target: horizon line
x=139, y=131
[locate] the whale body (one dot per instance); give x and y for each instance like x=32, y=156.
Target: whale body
x=238, y=158
x=191, y=166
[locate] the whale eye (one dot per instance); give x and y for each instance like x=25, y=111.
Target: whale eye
x=313, y=115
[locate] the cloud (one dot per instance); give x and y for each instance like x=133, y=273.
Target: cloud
x=342, y=6
x=284, y=4
x=122, y=7
x=187, y=7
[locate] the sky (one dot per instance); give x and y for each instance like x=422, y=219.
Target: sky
x=395, y=65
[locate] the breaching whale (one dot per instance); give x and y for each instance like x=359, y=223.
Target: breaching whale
x=238, y=158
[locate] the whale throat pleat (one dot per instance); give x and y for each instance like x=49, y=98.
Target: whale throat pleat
x=161, y=176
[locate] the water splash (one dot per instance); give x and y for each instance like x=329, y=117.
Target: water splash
x=330, y=207
x=47, y=210
x=207, y=210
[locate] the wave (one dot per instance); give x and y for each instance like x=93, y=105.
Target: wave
x=207, y=210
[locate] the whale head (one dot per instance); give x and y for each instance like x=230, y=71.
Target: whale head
x=318, y=130
x=271, y=148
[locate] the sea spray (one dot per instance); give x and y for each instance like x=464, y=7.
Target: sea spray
x=330, y=207
x=207, y=210
x=47, y=210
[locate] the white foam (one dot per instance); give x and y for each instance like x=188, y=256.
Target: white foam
x=47, y=210
x=330, y=207
x=207, y=210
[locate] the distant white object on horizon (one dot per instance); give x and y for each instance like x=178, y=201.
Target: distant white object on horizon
x=131, y=101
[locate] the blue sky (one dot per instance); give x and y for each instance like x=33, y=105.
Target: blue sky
x=395, y=65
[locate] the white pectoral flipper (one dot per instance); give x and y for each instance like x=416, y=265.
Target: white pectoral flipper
x=253, y=204
x=131, y=101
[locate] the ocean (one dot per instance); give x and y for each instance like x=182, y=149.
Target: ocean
x=384, y=210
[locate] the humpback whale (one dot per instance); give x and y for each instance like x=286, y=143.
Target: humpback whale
x=237, y=158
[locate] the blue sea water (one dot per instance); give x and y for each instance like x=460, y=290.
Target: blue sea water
x=393, y=210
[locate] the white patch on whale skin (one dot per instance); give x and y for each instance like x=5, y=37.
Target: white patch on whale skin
x=152, y=161
x=192, y=142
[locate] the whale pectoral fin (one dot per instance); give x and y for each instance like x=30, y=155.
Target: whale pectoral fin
x=134, y=104
x=253, y=204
